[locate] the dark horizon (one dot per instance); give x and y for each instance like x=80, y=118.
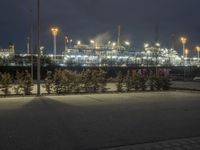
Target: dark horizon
x=83, y=20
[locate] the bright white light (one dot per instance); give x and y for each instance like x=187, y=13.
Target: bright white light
x=42, y=48
x=127, y=43
x=146, y=45
x=79, y=43
x=158, y=44
x=92, y=41
x=114, y=44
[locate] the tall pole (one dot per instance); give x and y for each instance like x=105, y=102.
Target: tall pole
x=198, y=50
x=183, y=41
x=54, y=32
x=54, y=45
x=31, y=42
x=38, y=48
x=28, y=45
x=118, y=37
x=183, y=50
x=66, y=41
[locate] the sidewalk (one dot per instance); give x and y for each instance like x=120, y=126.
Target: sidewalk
x=180, y=144
x=186, y=85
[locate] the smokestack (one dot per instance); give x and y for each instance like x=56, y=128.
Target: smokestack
x=118, y=37
x=156, y=33
x=28, y=45
x=173, y=38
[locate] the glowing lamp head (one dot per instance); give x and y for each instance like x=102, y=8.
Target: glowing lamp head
x=183, y=40
x=54, y=31
x=198, y=48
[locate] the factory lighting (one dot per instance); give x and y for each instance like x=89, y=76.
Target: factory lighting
x=127, y=43
x=79, y=43
x=158, y=44
x=183, y=41
x=92, y=41
x=146, y=45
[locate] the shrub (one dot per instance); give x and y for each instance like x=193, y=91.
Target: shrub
x=151, y=83
x=77, y=80
x=49, y=82
x=102, y=80
x=129, y=81
x=158, y=83
x=142, y=83
x=119, y=83
x=166, y=83
x=87, y=80
x=58, y=81
x=5, y=81
x=24, y=83
x=136, y=82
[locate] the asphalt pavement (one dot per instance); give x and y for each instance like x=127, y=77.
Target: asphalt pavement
x=97, y=121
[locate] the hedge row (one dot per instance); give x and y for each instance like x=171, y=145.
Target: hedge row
x=87, y=81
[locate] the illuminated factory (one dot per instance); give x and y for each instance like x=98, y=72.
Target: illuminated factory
x=102, y=52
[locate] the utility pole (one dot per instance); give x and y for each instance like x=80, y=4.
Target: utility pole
x=118, y=37
x=31, y=41
x=28, y=45
x=173, y=41
x=66, y=41
x=38, y=48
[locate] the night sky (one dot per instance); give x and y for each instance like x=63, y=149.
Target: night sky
x=140, y=20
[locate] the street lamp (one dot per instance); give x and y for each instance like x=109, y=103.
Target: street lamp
x=54, y=31
x=70, y=43
x=186, y=53
x=198, y=50
x=66, y=41
x=183, y=41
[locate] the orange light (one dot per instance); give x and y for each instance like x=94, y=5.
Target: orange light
x=54, y=31
x=183, y=40
x=198, y=48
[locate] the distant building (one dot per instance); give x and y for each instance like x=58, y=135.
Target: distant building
x=9, y=52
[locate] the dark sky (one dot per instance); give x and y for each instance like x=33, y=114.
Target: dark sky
x=85, y=19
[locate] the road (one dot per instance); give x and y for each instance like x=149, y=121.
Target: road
x=98, y=121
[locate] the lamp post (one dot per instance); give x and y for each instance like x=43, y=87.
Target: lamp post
x=92, y=42
x=198, y=50
x=54, y=31
x=186, y=53
x=70, y=43
x=183, y=41
x=38, y=47
x=66, y=41
x=127, y=43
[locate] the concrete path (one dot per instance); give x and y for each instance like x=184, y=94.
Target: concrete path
x=178, y=144
x=186, y=85
x=92, y=122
